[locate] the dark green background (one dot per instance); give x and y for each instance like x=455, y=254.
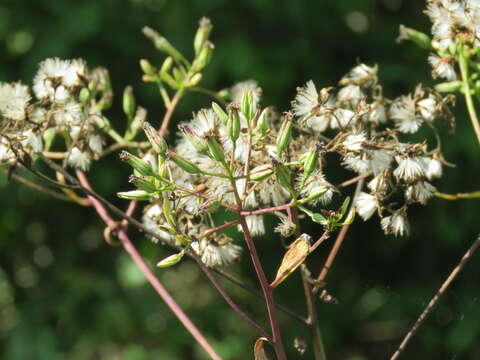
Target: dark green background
x=65, y=294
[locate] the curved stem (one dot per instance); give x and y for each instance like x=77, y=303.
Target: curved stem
x=159, y=288
x=468, y=94
x=472, y=195
x=466, y=257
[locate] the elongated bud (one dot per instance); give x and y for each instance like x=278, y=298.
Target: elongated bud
x=285, y=134
x=204, y=57
x=48, y=137
x=282, y=174
x=167, y=211
x=167, y=65
x=222, y=116
x=84, y=96
x=136, y=123
x=215, y=150
x=233, y=122
x=320, y=192
x=128, y=102
x=178, y=75
x=450, y=86
x=194, y=80
x=134, y=195
x=158, y=143
x=171, y=260
x=142, y=184
x=202, y=34
x=419, y=38
x=184, y=164
x=140, y=166
x=310, y=163
x=262, y=122
x=261, y=172
x=147, y=68
x=247, y=105
x=163, y=44
x=199, y=143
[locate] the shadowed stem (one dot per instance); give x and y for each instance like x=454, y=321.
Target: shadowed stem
x=462, y=61
x=466, y=257
x=136, y=257
x=267, y=292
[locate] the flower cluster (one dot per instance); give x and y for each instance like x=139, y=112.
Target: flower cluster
x=247, y=157
x=70, y=99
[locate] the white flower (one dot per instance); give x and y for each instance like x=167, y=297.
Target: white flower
x=350, y=94
x=377, y=113
x=204, y=122
x=360, y=75
x=427, y=108
x=95, y=143
x=420, y=192
x=357, y=163
x=442, y=67
x=70, y=113
x=217, y=253
x=14, y=99
x=255, y=225
x=152, y=219
x=6, y=154
x=341, y=118
x=378, y=184
x=307, y=105
x=397, y=224
x=354, y=142
x=403, y=112
x=409, y=169
x=272, y=193
x=379, y=160
x=79, y=159
x=32, y=140
x=431, y=167
x=366, y=205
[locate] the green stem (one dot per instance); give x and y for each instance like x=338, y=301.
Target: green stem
x=472, y=195
x=468, y=94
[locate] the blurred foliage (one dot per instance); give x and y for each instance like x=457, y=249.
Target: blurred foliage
x=65, y=294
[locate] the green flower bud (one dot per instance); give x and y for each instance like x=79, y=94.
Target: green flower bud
x=163, y=44
x=167, y=211
x=128, y=102
x=147, y=68
x=222, y=116
x=84, y=96
x=419, y=38
x=261, y=172
x=184, y=164
x=194, y=80
x=199, y=143
x=215, y=150
x=135, y=195
x=167, y=65
x=158, y=143
x=178, y=75
x=310, y=163
x=262, y=122
x=204, y=57
x=450, y=86
x=142, y=184
x=233, y=122
x=136, y=123
x=202, y=34
x=142, y=167
x=285, y=134
x=171, y=260
x=283, y=175
x=247, y=105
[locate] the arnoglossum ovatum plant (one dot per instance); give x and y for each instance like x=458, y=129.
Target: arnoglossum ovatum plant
x=240, y=156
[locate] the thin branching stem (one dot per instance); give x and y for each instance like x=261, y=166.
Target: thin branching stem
x=467, y=92
x=458, y=196
x=449, y=280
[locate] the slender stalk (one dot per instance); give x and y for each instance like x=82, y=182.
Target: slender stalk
x=313, y=325
x=266, y=210
x=267, y=292
x=122, y=145
x=466, y=257
x=218, y=228
x=458, y=196
x=40, y=188
x=462, y=61
x=210, y=93
x=143, y=267
x=169, y=113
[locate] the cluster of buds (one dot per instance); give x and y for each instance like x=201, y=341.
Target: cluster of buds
x=70, y=99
